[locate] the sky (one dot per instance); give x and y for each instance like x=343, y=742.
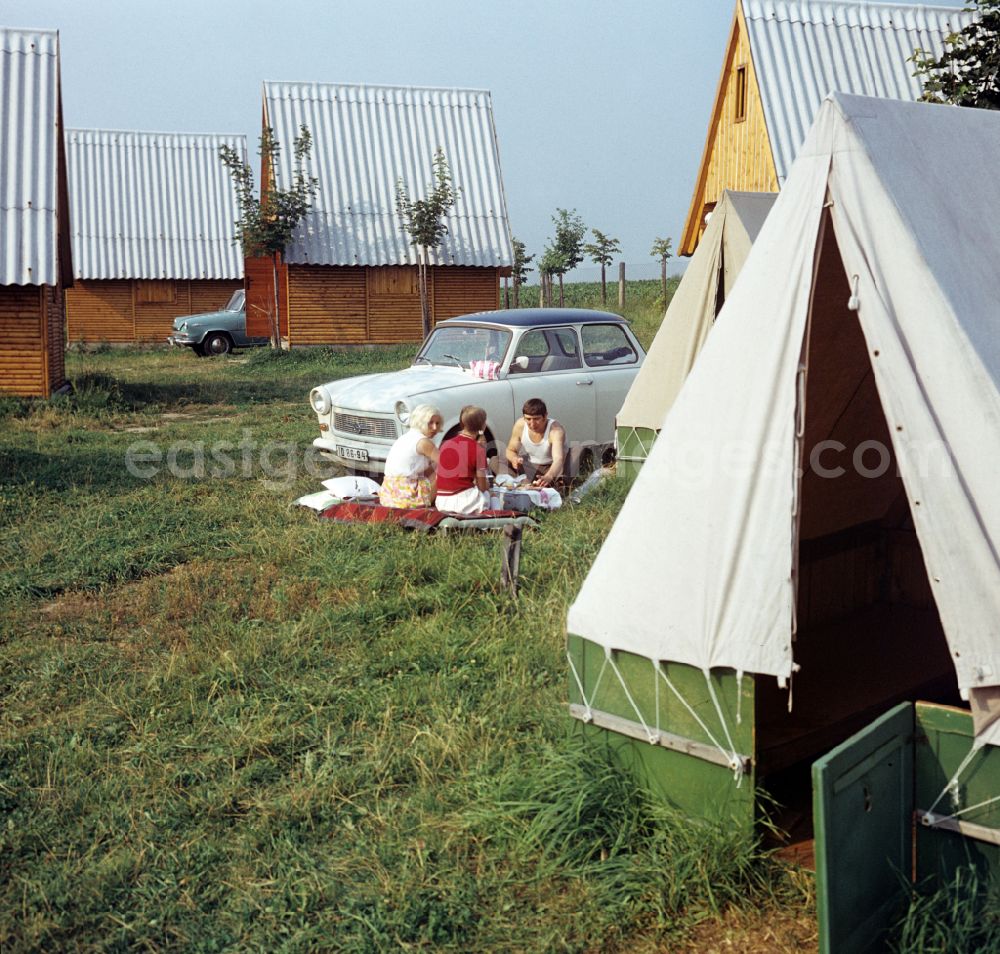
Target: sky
x=599, y=107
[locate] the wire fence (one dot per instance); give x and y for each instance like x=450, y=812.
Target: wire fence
x=634, y=271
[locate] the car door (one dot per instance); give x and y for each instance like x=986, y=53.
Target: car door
x=613, y=361
x=555, y=373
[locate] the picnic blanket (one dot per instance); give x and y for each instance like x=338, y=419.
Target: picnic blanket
x=427, y=519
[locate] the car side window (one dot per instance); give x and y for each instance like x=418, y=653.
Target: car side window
x=547, y=349
x=532, y=346
x=606, y=345
x=564, y=352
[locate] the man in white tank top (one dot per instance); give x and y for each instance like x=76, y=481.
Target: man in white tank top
x=537, y=445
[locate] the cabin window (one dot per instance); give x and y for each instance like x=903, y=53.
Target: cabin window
x=740, y=95
x=155, y=292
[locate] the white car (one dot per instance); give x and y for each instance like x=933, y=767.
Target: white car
x=580, y=363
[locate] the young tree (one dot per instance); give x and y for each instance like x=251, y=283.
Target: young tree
x=567, y=246
x=661, y=249
x=265, y=225
x=520, y=270
x=602, y=251
x=968, y=72
x=423, y=221
x=551, y=263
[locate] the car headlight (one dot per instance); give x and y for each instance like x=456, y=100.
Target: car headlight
x=320, y=400
x=402, y=411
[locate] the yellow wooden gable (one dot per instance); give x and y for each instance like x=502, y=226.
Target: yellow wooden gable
x=737, y=151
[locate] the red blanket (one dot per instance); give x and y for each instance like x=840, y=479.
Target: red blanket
x=422, y=518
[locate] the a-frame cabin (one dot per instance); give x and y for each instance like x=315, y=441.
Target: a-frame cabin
x=782, y=58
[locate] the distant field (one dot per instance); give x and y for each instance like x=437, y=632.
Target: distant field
x=644, y=302
x=227, y=724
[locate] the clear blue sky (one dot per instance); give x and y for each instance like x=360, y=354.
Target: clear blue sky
x=601, y=107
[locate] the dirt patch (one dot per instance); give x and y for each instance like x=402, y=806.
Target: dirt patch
x=771, y=931
x=199, y=412
x=178, y=596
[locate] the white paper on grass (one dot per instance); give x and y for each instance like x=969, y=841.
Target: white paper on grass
x=345, y=487
x=319, y=500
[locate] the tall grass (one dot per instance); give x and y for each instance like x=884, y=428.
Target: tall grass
x=960, y=915
x=228, y=724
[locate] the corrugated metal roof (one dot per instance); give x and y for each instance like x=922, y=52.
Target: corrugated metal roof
x=29, y=81
x=152, y=205
x=804, y=49
x=364, y=139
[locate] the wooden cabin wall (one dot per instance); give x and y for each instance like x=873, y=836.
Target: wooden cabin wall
x=24, y=346
x=100, y=311
x=737, y=151
x=461, y=291
x=55, y=338
x=326, y=305
x=394, y=303
x=114, y=311
x=380, y=304
x=259, y=275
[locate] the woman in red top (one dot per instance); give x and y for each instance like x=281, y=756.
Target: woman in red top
x=461, y=468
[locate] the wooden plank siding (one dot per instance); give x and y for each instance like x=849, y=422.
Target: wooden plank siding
x=461, y=290
x=394, y=303
x=112, y=311
x=24, y=341
x=379, y=304
x=100, y=311
x=738, y=152
x=55, y=338
x=259, y=275
x=327, y=305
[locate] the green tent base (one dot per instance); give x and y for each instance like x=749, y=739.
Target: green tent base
x=634, y=445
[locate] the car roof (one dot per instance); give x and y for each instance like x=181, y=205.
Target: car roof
x=531, y=317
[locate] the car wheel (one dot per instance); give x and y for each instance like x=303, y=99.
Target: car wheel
x=216, y=343
x=196, y=348
x=580, y=464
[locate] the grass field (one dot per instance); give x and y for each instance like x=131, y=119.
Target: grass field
x=228, y=724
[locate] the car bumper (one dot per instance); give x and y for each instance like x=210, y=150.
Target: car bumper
x=353, y=453
x=180, y=341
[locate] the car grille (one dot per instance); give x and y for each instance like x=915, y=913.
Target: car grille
x=368, y=426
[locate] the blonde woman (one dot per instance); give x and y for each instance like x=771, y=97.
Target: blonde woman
x=409, y=468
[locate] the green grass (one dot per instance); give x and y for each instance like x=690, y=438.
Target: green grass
x=228, y=724
x=961, y=915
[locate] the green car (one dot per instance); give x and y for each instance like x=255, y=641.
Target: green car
x=215, y=332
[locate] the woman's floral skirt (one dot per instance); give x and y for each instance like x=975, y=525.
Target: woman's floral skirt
x=406, y=493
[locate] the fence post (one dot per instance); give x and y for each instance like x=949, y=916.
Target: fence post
x=621, y=285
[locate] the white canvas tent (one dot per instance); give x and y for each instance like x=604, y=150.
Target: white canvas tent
x=864, y=331
x=706, y=284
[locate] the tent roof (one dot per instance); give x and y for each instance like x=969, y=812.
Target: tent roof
x=731, y=230
x=751, y=209
x=714, y=509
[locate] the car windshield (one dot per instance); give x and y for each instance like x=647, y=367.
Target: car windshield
x=236, y=302
x=460, y=345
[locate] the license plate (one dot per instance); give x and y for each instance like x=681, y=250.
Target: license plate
x=351, y=453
